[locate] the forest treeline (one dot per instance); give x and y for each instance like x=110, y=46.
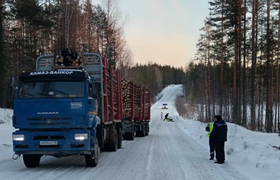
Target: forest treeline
x=236, y=69
x=29, y=28
x=235, y=72
x=155, y=76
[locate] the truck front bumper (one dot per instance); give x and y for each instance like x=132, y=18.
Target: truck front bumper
x=56, y=143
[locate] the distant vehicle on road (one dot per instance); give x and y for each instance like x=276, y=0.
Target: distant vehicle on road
x=164, y=106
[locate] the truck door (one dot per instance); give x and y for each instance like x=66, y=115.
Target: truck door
x=91, y=101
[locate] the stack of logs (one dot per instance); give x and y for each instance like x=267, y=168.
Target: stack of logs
x=138, y=102
x=133, y=96
x=130, y=96
x=115, y=89
x=68, y=58
x=146, y=104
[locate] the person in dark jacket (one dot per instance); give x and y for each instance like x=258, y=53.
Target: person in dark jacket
x=219, y=136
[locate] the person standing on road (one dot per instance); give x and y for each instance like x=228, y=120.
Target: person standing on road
x=219, y=136
x=209, y=128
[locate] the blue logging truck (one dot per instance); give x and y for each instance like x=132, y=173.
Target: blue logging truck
x=68, y=108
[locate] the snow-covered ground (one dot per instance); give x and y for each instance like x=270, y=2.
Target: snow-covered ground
x=173, y=150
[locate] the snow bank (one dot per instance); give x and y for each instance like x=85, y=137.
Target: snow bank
x=6, y=129
x=248, y=152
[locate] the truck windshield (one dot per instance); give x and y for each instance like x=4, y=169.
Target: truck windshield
x=51, y=89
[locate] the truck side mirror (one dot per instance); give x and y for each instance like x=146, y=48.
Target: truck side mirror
x=96, y=95
x=12, y=81
x=96, y=89
x=11, y=89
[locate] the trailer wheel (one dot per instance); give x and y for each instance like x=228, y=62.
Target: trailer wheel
x=100, y=136
x=147, y=129
x=140, y=133
x=119, y=137
x=131, y=137
x=31, y=161
x=144, y=131
x=92, y=159
x=128, y=136
x=113, y=139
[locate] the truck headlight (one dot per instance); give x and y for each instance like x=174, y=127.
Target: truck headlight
x=18, y=137
x=81, y=137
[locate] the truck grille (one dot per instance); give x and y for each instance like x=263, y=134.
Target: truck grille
x=49, y=146
x=48, y=121
x=51, y=118
x=48, y=137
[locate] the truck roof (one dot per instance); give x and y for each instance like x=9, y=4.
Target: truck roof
x=92, y=65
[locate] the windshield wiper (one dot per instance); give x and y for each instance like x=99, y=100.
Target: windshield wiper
x=27, y=94
x=43, y=94
x=61, y=92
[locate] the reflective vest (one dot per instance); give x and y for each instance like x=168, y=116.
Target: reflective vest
x=211, y=126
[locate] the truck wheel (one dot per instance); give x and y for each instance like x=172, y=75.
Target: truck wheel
x=92, y=159
x=125, y=136
x=128, y=136
x=140, y=133
x=147, y=129
x=131, y=136
x=119, y=137
x=113, y=141
x=144, y=131
x=100, y=136
x=31, y=161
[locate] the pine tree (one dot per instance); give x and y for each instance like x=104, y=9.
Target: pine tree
x=3, y=57
x=218, y=21
x=253, y=110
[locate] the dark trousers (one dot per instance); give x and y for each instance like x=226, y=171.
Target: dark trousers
x=220, y=151
x=212, y=148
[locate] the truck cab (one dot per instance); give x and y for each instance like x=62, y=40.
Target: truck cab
x=62, y=111
x=55, y=114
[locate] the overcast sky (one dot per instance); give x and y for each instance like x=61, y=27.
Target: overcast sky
x=163, y=31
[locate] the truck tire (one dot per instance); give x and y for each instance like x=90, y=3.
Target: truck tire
x=128, y=136
x=147, y=129
x=119, y=137
x=140, y=133
x=92, y=159
x=125, y=136
x=131, y=136
x=113, y=138
x=31, y=161
x=100, y=135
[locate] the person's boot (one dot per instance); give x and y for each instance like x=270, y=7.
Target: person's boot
x=219, y=162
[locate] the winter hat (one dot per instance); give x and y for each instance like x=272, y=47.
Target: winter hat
x=218, y=117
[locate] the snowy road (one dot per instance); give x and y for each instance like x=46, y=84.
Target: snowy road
x=167, y=153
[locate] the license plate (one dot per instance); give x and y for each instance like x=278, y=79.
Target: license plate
x=48, y=143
